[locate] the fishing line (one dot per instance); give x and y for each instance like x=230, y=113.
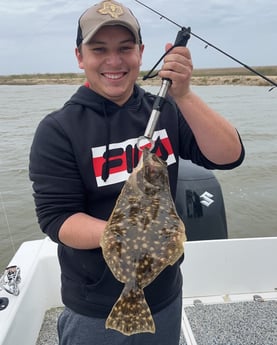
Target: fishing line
x=7, y=222
x=181, y=40
x=208, y=44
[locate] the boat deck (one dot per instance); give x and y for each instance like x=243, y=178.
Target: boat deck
x=239, y=323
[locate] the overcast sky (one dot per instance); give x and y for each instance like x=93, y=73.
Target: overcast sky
x=38, y=36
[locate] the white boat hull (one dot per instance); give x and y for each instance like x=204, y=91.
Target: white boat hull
x=20, y=322
x=217, y=271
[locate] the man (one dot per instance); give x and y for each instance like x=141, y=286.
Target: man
x=83, y=153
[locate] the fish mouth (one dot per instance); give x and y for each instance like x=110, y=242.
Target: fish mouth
x=158, y=161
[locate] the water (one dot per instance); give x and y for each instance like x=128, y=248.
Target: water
x=250, y=191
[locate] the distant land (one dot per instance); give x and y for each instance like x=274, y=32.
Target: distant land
x=212, y=76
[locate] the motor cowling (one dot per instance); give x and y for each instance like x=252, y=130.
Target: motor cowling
x=199, y=203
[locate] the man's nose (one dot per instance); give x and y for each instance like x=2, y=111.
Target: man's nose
x=114, y=58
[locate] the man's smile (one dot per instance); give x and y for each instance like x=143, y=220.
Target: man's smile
x=114, y=76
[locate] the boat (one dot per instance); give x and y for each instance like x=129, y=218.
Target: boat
x=229, y=293
x=229, y=289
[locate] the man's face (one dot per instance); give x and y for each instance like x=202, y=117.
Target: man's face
x=111, y=61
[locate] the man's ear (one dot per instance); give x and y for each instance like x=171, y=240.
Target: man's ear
x=79, y=58
x=141, y=49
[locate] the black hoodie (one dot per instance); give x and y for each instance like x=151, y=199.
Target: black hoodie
x=80, y=158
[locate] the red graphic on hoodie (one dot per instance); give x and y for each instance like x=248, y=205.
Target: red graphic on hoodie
x=118, y=163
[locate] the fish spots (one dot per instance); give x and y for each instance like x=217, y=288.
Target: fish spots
x=143, y=236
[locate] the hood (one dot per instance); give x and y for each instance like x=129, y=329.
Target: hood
x=88, y=98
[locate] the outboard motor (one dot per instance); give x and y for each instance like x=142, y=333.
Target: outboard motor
x=199, y=203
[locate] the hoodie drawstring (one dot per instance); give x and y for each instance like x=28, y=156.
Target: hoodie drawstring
x=106, y=170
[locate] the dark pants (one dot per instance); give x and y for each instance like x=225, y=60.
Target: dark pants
x=75, y=329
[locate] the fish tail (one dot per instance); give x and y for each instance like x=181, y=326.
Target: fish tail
x=131, y=313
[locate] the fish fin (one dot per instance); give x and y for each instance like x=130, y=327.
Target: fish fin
x=131, y=313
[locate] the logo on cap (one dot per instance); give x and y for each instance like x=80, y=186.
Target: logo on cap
x=112, y=9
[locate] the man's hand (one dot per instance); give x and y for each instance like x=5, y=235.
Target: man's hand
x=178, y=68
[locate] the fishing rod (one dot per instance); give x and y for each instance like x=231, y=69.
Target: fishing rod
x=208, y=44
x=181, y=41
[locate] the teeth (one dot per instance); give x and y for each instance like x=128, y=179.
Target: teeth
x=113, y=76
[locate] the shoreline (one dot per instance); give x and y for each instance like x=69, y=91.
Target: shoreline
x=245, y=80
x=79, y=79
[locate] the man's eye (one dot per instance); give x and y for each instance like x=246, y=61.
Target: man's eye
x=98, y=50
x=125, y=49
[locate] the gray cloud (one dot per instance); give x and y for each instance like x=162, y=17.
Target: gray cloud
x=39, y=36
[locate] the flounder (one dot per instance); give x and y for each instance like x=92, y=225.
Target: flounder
x=143, y=235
